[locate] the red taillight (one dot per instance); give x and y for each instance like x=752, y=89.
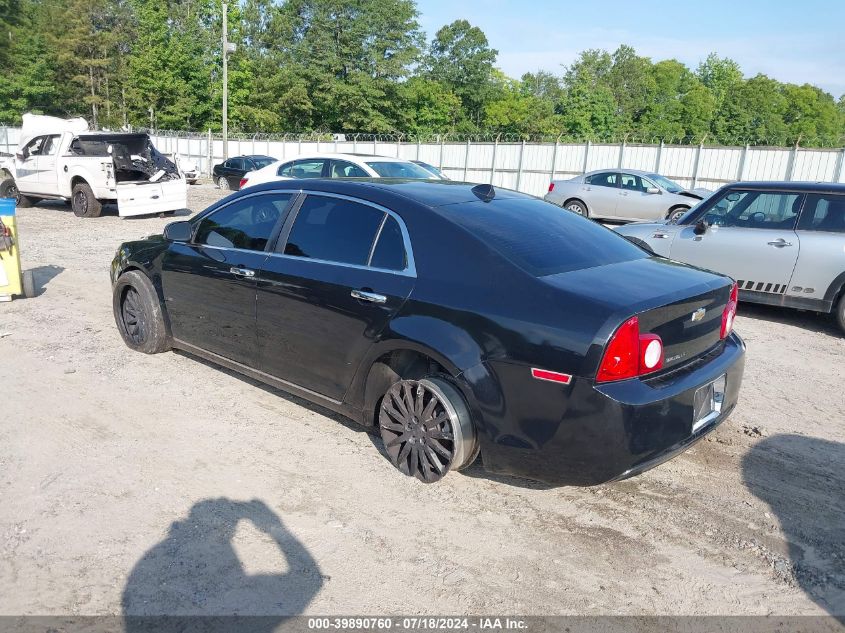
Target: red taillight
x=551, y=187
x=243, y=183
x=729, y=314
x=630, y=354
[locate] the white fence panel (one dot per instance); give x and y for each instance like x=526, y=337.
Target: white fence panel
x=525, y=166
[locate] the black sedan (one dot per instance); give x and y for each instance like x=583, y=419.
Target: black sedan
x=228, y=174
x=455, y=319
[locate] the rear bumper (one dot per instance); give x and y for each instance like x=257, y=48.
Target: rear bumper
x=586, y=434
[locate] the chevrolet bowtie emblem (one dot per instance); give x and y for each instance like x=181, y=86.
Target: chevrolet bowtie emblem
x=698, y=315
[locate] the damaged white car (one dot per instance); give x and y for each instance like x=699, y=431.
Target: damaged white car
x=59, y=159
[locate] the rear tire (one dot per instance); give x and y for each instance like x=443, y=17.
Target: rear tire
x=840, y=312
x=138, y=314
x=223, y=183
x=83, y=202
x=576, y=206
x=427, y=428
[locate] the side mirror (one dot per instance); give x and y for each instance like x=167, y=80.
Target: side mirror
x=20, y=155
x=652, y=190
x=701, y=227
x=181, y=231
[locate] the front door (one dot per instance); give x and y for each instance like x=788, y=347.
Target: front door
x=635, y=203
x=209, y=284
x=48, y=178
x=751, y=238
x=328, y=292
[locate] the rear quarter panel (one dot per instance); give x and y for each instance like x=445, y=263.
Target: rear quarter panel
x=821, y=259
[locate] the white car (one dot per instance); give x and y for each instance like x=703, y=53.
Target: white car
x=337, y=166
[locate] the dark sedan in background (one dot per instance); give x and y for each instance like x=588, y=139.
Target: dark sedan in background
x=456, y=319
x=228, y=174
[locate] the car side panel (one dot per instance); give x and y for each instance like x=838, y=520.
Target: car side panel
x=820, y=261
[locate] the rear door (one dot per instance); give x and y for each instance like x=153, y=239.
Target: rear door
x=821, y=230
x=324, y=296
x=602, y=193
x=209, y=284
x=751, y=237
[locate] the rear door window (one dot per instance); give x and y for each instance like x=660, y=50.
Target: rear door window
x=334, y=230
x=823, y=212
x=246, y=224
x=389, y=252
x=541, y=240
x=308, y=168
x=604, y=179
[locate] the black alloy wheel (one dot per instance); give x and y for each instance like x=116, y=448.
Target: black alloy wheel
x=426, y=428
x=134, y=316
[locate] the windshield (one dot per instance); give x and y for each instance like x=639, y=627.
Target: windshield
x=397, y=169
x=263, y=162
x=665, y=183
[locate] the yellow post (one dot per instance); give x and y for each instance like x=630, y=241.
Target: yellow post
x=10, y=260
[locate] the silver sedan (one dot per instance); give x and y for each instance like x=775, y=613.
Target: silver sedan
x=626, y=195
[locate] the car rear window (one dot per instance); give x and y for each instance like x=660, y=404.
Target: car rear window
x=542, y=238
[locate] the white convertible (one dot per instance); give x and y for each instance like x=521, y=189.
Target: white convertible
x=60, y=159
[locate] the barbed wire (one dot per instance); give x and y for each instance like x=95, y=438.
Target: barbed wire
x=504, y=137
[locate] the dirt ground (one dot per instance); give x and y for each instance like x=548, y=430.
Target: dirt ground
x=163, y=484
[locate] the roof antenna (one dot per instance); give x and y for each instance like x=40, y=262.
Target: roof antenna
x=485, y=193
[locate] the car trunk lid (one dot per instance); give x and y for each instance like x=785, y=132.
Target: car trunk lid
x=681, y=304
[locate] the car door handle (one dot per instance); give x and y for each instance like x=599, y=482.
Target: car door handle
x=779, y=243
x=242, y=272
x=363, y=295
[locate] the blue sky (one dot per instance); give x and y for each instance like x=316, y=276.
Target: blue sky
x=799, y=41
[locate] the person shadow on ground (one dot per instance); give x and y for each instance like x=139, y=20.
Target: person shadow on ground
x=196, y=571
x=802, y=480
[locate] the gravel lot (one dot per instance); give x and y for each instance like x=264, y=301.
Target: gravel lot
x=162, y=484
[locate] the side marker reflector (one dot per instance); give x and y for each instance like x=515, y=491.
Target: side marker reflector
x=551, y=376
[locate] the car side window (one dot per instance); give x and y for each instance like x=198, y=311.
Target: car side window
x=334, y=230
x=34, y=147
x=604, y=179
x=345, y=169
x=308, y=168
x=248, y=165
x=246, y=223
x=823, y=212
x=51, y=145
x=237, y=163
x=755, y=209
x=389, y=252
x=632, y=183
x=284, y=169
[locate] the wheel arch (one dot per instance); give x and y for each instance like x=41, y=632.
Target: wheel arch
x=835, y=290
x=132, y=265
x=569, y=199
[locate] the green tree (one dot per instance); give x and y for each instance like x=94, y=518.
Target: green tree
x=427, y=107
x=460, y=57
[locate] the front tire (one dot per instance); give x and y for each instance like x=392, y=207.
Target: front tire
x=138, y=314
x=427, y=428
x=576, y=206
x=83, y=202
x=676, y=212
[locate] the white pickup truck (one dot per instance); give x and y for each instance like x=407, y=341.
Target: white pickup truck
x=60, y=159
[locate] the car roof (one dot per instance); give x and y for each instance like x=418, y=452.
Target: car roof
x=789, y=185
x=636, y=172
x=430, y=193
x=350, y=157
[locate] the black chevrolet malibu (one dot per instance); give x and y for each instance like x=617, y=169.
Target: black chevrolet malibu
x=455, y=319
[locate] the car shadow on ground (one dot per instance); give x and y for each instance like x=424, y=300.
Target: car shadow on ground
x=801, y=479
x=813, y=321
x=43, y=275
x=196, y=571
